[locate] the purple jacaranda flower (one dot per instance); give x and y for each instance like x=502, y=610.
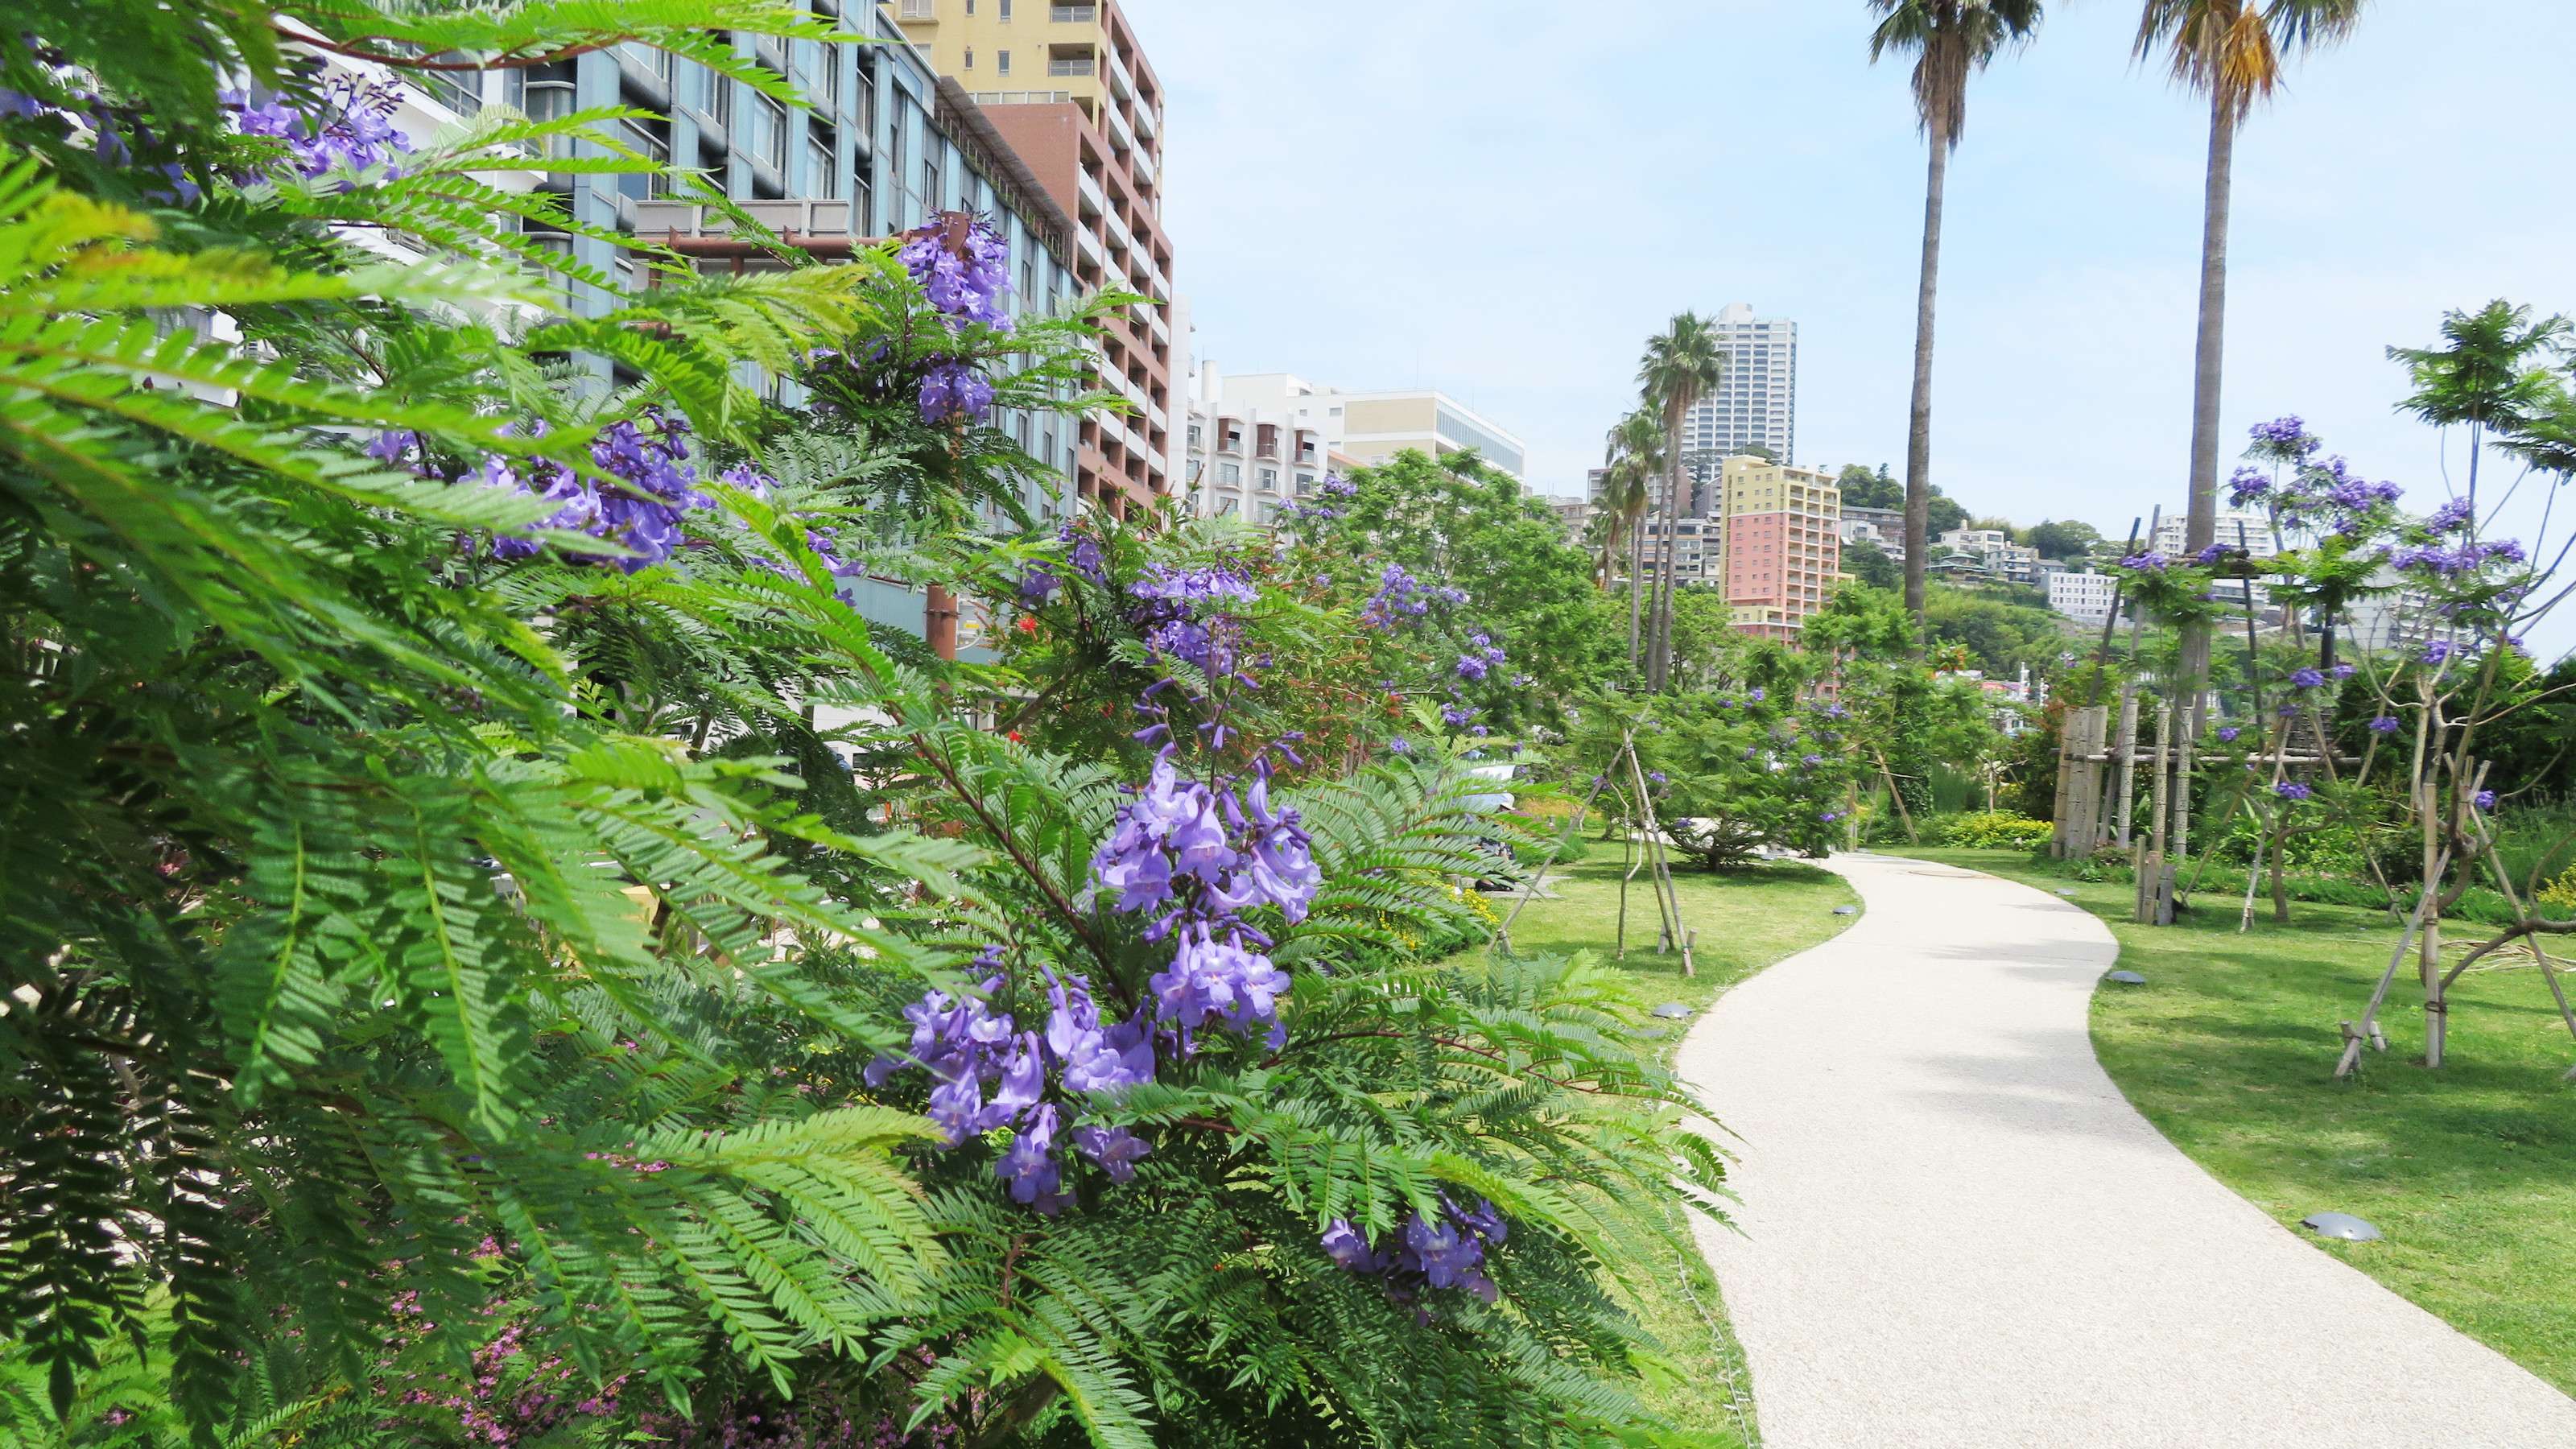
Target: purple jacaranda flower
x=963, y=266
x=1830, y=816
x=2211, y=554
x=2484, y=799
x=1811, y=759
x=1221, y=979
x=2284, y=438
x=2384, y=724
x=1029, y=1166
x=2149, y=562
x=2292, y=790
x=1093, y=1057
x=2507, y=549
x=1398, y=747
x=1114, y=1149
x=1038, y=584
x=1456, y=716
x=1278, y=861
x=1083, y=552
x=1214, y=586
x=1471, y=666
x=749, y=479
x=1446, y=1255
x=2343, y=671
x=2437, y=651
x=1754, y=695
x=2247, y=485
x=955, y=392
x=2307, y=678
x=1345, y=1245
x=2451, y=517
x=352, y=129
x=1657, y=776
x=2227, y=734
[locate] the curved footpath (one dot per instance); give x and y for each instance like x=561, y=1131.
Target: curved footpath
x=1956, y=1231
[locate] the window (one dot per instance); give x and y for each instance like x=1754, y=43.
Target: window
x=929, y=184
x=1074, y=14
x=916, y=9
x=867, y=96
x=1194, y=435
x=462, y=94
x=1305, y=484
x=1001, y=62
x=1229, y=475
x=769, y=139
x=828, y=75
x=652, y=141
x=1269, y=480
x=717, y=99
x=825, y=181
x=1006, y=12
x=866, y=196
x=970, y=9
x=970, y=50
x=1076, y=62
x=1028, y=280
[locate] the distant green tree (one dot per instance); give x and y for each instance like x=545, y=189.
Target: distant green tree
x=1865, y=489
x=1999, y=636
x=1870, y=564
x=2071, y=541
x=1760, y=450
x=1462, y=522
x=1945, y=514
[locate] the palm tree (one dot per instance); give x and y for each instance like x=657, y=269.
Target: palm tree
x=2231, y=51
x=1636, y=455
x=1680, y=367
x=1948, y=39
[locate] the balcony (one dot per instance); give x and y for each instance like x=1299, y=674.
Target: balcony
x=1021, y=98
x=820, y=227
x=1122, y=137
x=1121, y=84
x=1087, y=187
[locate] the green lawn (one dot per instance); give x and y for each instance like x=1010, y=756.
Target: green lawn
x=1746, y=920
x=2470, y=1171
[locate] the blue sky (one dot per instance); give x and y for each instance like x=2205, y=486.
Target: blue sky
x=1502, y=199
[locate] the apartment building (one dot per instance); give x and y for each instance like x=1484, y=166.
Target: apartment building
x=1371, y=427
x=1756, y=405
x=1257, y=441
x=1781, y=544
x=2085, y=597
x=1250, y=459
x=1995, y=553
x=1069, y=90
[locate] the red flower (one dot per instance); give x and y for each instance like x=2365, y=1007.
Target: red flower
x=1013, y=737
x=1028, y=623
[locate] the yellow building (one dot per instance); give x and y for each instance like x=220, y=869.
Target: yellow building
x=1781, y=547
x=1081, y=55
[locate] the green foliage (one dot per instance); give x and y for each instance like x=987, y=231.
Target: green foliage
x=1869, y=563
x=2071, y=541
x=1991, y=830
x=1862, y=488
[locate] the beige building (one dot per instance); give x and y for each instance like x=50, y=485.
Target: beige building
x=1257, y=442
x=1371, y=427
x=1781, y=547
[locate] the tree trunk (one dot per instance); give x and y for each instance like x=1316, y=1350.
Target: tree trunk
x=1918, y=433
x=2200, y=523
x=1636, y=580
x=1666, y=571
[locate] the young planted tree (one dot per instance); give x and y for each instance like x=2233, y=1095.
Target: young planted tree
x=2489, y=377
x=1950, y=40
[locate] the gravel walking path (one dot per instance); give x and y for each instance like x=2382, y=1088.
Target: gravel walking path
x=1957, y=1232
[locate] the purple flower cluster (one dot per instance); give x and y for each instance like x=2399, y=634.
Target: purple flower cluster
x=2484, y=799
x=1330, y=495
x=1443, y=1252
x=2343, y=671
x=656, y=487
x=2384, y=725
x=2285, y=439
x=955, y=392
x=963, y=1044
x=2437, y=651
x=2149, y=562
x=2292, y=790
x=2450, y=563
x=2307, y=679
x=1205, y=854
x=2227, y=734
x=2248, y=485
x=355, y=133
x=1401, y=596
x=1186, y=615
x=964, y=268
x=2452, y=517
x=1083, y=552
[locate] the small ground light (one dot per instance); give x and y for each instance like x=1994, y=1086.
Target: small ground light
x=2064, y=892
x=1846, y=910
x=1672, y=1011
x=2126, y=978
x=2340, y=1225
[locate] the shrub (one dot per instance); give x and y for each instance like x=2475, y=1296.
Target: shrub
x=1994, y=830
x=2560, y=894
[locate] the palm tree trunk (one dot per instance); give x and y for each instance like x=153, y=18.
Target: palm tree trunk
x=1636, y=581
x=1666, y=574
x=1918, y=433
x=2200, y=523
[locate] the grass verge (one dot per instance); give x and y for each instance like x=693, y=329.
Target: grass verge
x=1746, y=920
x=2470, y=1171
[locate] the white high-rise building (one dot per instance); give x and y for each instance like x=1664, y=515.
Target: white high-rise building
x=1758, y=401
